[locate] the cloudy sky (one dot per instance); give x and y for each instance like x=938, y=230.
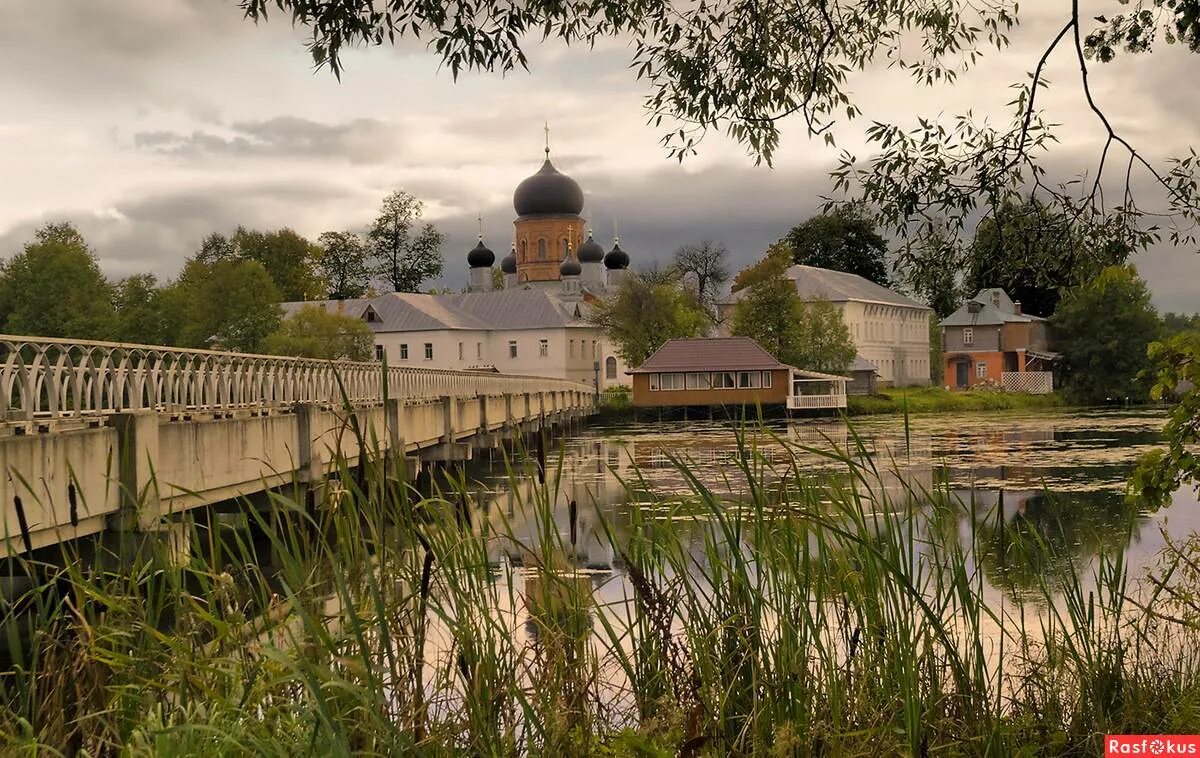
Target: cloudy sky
x=152, y=124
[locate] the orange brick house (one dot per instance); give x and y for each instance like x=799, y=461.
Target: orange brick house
x=989, y=340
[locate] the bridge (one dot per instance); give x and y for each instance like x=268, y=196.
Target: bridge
x=98, y=436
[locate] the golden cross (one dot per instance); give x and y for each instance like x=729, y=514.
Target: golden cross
x=546, y=128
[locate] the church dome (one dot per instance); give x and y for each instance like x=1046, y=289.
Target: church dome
x=548, y=192
x=616, y=258
x=590, y=251
x=570, y=267
x=480, y=256
x=508, y=264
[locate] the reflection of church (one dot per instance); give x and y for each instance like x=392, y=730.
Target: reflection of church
x=536, y=324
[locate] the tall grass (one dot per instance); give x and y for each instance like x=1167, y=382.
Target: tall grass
x=805, y=616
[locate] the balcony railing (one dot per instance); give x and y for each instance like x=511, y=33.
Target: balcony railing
x=804, y=402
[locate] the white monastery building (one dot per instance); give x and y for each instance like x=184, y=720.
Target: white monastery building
x=536, y=324
x=890, y=331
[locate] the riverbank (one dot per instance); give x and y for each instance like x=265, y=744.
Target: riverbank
x=939, y=400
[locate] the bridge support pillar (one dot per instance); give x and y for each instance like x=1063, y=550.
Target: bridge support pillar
x=137, y=456
x=446, y=452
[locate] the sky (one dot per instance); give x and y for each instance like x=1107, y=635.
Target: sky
x=152, y=124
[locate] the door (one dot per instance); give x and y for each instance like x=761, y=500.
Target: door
x=961, y=373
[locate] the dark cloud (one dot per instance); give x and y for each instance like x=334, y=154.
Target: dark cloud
x=361, y=141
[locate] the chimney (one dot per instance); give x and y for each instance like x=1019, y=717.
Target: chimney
x=1017, y=307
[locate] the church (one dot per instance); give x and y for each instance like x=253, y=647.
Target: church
x=536, y=323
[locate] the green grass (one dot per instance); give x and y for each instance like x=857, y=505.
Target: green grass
x=811, y=617
x=937, y=399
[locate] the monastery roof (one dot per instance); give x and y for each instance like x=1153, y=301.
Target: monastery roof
x=813, y=283
x=992, y=307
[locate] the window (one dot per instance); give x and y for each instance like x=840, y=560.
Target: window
x=610, y=368
x=593, y=348
x=565, y=245
x=542, y=249
x=524, y=250
x=371, y=315
x=724, y=380
x=766, y=380
x=404, y=352
x=968, y=336
x=379, y=352
x=698, y=381
x=512, y=348
x=981, y=370
x=671, y=381
x=460, y=351
x=479, y=350
x=654, y=382
x=749, y=379
x=543, y=348
x=572, y=348
x=428, y=351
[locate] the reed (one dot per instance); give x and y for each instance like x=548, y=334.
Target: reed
x=806, y=616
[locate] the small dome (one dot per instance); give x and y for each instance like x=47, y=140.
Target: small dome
x=570, y=267
x=480, y=256
x=616, y=258
x=508, y=264
x=590, y=251
x=548, y=193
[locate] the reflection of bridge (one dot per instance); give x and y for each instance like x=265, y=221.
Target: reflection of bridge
x=96, y=435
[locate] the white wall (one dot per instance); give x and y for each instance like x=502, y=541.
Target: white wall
x=895, y=339
x=569, y=351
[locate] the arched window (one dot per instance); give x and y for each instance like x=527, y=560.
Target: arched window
x=524, y=250
x=542, y=249
x=610, y=368
x=564, y=248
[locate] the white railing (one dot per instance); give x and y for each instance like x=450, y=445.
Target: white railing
x=60, y=378
x=800, y=402
x=1033, y=382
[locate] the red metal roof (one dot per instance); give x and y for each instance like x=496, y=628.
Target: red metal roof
x=710, y=354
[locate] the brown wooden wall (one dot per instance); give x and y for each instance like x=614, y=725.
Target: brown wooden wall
x=643, y=397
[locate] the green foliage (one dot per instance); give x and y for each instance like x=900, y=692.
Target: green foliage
x=931, y=269
x=1176, y=374
x=937, y=366
x=844, y=239
x=705, y=265
x=1102, y=329
x=777, y=258
x=939, y=400
x=313, y=333
x=54, y=288
x=289, y=259
x=227, y=304
x=809, y=335
x=1138, y=30
x=639, y=317
x=405, y=256
x=344, y=264
x=1032, y=251
x=140, y=316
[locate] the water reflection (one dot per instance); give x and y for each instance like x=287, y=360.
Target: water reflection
x=1042, y=494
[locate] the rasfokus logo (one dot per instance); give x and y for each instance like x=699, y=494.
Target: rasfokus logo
x=1151, y=744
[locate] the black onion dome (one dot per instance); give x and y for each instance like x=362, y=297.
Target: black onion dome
x=590, y=251
x=548, y=192
x=570, y=267
x=508, y=264
x=481, y=256
x=616, y=258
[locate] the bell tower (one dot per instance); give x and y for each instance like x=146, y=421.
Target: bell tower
x=548, y=224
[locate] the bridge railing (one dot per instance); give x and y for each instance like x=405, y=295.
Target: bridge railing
x=61, y=378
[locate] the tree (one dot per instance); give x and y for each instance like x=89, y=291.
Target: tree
x=1176, y=374
x=313, y=333
x=932, y=270
x=706, y=264
x=404, y=257
x=843, y=239
x=290, y=260
x=639, y=317
x=743, y=67
x=225, y=304
x=1032, y=251
x=1103, y=329
x=809, y=335
x=139, y=317
x=344, y=264
x=54, y=288
x=777, y=258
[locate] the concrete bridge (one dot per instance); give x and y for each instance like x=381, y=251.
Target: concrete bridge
x=97, y=436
